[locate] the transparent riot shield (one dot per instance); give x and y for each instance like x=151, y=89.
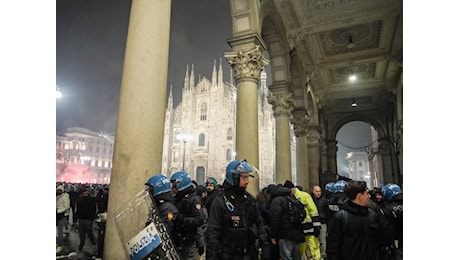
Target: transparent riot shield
x=141, y=230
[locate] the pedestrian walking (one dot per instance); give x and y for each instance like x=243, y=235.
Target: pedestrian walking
x=85, y=215
x=62, y=211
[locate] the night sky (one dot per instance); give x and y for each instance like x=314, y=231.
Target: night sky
x=90, y=44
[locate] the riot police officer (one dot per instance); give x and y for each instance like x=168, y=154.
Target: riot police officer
x=191, y=215
x=393, y=209
x=234, y=220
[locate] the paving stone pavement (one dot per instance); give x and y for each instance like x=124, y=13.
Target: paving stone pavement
x=71, y=242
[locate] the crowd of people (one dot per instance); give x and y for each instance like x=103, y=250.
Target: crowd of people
x=79, y=206
x=223, y=221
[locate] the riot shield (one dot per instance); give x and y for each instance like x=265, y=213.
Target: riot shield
x=141, y=230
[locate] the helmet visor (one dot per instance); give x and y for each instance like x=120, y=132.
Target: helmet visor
x=243, y=166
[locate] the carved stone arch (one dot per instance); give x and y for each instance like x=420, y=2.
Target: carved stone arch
x=356, y=117
x=273, y=35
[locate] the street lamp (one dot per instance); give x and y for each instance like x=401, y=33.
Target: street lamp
x=184, y=138
x=58, y=92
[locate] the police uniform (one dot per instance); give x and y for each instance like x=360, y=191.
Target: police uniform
x=189, y=219
x=233, y=224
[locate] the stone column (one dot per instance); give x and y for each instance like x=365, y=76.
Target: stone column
x=300, y=125
x=386, y=160
x=247, y=65
x=282, y=106
x=139, y=133
x=332, y=155
x=313, y=144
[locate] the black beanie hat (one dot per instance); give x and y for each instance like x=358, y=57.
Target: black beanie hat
x=270, y=188
x=288, y=184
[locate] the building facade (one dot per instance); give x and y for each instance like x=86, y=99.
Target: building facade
x=199, y=134
x=358, y=164
x=374, y=166
x=83, y=156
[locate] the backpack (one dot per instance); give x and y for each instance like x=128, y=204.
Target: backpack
x=296, y=210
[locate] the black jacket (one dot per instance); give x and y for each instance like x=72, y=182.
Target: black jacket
x=210, y=198
x=280, y=227
x=86, y=208
x=322, y=206
x=334, y=203
x=191, y=215
x=168, y=210
x=357, y=233
x=234, y=224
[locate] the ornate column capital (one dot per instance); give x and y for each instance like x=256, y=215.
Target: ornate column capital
x=247, y=64
x=300, y=125
x=282, y=104
x=385, y=146
x=313, y=138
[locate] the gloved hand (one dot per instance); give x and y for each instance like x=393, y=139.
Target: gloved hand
x=316, y=231
x=200, y=250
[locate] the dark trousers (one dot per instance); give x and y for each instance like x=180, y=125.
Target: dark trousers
x=274, y=252
x=86, y=228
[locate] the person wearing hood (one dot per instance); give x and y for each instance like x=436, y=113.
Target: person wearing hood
x=312, y=223
x=357, y=232
x=62, y=211
x=283, y=233
x=234, y=223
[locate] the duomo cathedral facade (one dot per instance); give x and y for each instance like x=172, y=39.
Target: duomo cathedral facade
x=199, y=134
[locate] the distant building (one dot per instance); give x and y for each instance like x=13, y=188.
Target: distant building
x=375, y=167
x=83, y=156
x=199, y=134
x=358, y=164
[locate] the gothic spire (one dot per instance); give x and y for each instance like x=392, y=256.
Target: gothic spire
x=192, y=78
x=214, y=75
x=170, y=98
x=186, y=80
x=220, y=77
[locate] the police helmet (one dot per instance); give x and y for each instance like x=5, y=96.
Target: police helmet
x=390, y=190
x=330, y=186
x=181, y=180
x=158, y=184
x=340, y=185
x=234, y=169
x=211, y=180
